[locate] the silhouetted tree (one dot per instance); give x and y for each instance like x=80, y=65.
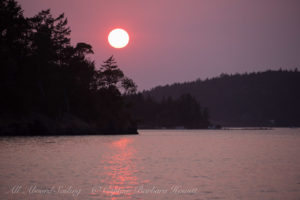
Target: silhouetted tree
x=42, y=74
x=110, y=76
x=184, y=111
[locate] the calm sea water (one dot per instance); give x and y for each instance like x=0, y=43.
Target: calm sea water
x=159, y=164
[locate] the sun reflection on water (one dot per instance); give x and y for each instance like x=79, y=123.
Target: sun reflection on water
x=120, y=170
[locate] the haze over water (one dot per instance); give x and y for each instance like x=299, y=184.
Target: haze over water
x=195, y=164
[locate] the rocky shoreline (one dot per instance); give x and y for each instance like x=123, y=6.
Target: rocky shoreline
x=41, y=125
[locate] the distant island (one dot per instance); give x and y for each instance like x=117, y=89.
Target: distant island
x=49, y=87
x=259, y=99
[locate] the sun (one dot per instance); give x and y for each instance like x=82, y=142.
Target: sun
x=118, y=38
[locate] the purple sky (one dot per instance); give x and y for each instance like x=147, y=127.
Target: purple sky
x=182, y=40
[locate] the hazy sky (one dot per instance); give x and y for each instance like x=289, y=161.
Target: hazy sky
x=182, y=40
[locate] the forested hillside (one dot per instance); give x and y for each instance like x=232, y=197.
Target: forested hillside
x=270, y=98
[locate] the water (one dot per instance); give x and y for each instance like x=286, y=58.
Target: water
x=204, y=164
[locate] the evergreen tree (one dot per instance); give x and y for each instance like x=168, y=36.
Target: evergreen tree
x=42, y=74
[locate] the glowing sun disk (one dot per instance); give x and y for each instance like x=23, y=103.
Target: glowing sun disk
x=118, y=38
